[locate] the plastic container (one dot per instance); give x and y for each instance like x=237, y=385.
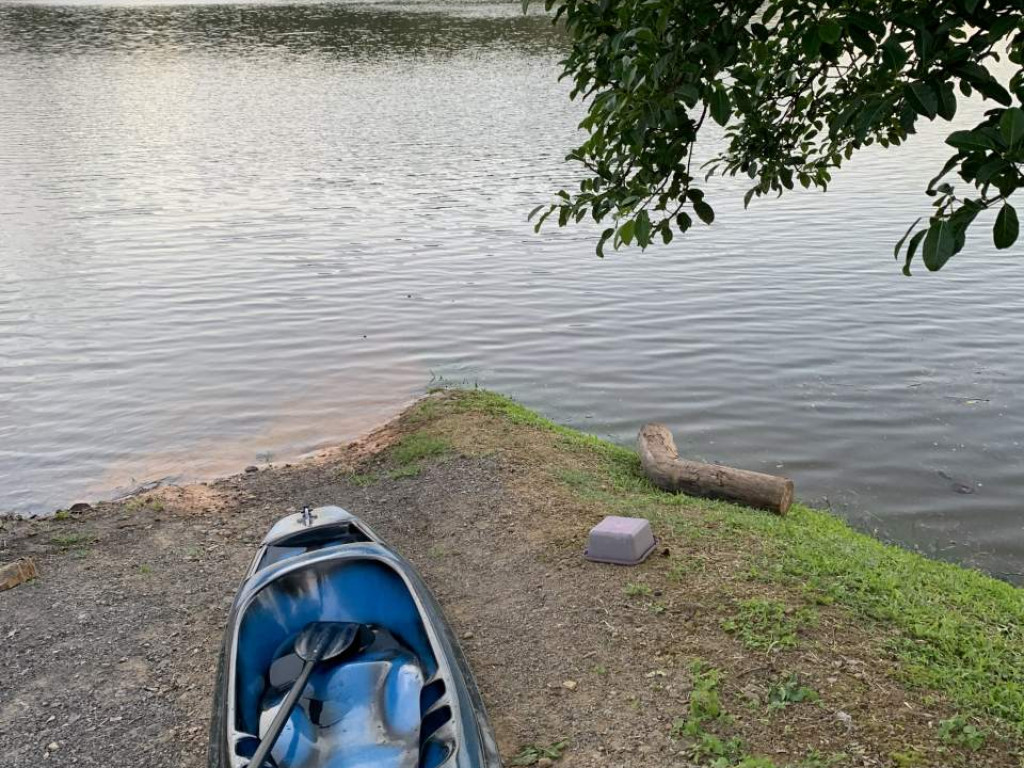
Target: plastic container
x=620, y=540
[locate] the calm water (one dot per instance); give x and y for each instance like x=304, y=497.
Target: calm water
x=234, y=233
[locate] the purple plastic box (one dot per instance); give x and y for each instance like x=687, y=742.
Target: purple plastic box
x=620, y=540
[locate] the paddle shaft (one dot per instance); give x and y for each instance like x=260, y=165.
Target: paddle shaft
x=277, y=725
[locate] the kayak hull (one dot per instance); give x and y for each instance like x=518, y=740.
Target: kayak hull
x=406, y=699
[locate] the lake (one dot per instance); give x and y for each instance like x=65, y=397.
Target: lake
x=232, y=234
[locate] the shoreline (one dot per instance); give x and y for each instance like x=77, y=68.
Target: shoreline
x=748, y=639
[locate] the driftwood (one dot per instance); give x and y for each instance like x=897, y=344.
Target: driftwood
x=661, y=462
x=13, y=574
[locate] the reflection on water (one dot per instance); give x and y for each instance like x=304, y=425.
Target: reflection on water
x=233, y=230
x=320, y=414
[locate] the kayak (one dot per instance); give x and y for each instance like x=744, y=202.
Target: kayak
x=336, y=655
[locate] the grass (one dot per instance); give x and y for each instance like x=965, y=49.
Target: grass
x=409, y=470
x=790, y=690
x=419, y=446
x=140, y=503
x=363, y=479
x=706, y=727
x=950, y=629
x=532, y=753
x=638, y=589
x=768, y=625
x=69, y=540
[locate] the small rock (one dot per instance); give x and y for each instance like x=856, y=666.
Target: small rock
x=79, y=507
x=251, y=468
x=467, y=636
x=570, y=684
x=544, y=762
x=844, y=718
x=53, y=746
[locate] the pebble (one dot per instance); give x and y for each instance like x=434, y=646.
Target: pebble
x=544, y=762
x=570, y=684
x=53, y=746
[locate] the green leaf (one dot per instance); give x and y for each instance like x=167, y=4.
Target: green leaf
x=535, y=211
x=604, y=239
x=894, y=54
x=720, y=106
x=947, y=102
x=626, y=231
x=704, y=211
x=993, y=90
x=899, y=245
x=1007, y=227
x=829, y=31
x=950, y=164
x=923, y=99
x=939, y=245
x=912, y=249
x=643, y=229
x=1011, y=125
x=972, y=141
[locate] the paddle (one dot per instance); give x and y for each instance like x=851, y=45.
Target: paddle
x=318, y=641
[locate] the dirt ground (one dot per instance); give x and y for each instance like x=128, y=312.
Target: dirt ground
x=108, y=658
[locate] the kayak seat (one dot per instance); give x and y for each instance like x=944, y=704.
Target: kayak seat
x=362, y=712
x=384, y=707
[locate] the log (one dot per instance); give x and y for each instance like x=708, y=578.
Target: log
x=661, y=463
x=13, y=574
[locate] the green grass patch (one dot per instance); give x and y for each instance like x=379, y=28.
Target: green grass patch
x=768, y=625
x=532, y=753
x=702, y=727
x=68, y=540
x=953, y=630
x=958, y=730
x=362, y=479
x=409, y=470
x=638, y=589
x=790, y=690
x=139, y=503
x=419, y=446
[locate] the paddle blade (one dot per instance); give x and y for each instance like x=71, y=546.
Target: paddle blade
x=324, y=640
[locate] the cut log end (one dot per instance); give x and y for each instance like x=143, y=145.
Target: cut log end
x=660, y=460
x=18, y=572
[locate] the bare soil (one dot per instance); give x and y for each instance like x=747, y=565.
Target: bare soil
x=108, y=658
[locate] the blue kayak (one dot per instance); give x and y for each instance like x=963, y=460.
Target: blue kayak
x=398, y=695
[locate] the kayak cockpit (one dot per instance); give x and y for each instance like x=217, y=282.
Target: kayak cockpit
x=399, y=697
x=372, y=709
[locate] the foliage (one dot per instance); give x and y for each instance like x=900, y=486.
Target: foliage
x=708, y=748
x=956, y=730
x=797, y=86
x=419, y=446
x=767, y=625
x=532, y=753
x=790, y=690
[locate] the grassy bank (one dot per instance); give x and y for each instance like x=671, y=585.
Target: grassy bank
x=952, y=635
x=745, y=641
